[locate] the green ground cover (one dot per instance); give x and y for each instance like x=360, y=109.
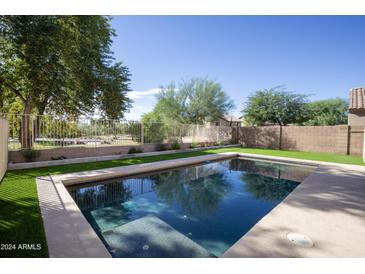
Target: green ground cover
x=20, y=218
x=315, y=156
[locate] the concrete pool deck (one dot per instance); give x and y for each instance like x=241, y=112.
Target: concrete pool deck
x=328, y=206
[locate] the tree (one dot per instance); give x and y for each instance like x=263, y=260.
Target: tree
x=61, y=64
x=112, y=98
x=326, y=112
x=195, y=196
x=265, y=106
x=155, y=131
x=194, y=101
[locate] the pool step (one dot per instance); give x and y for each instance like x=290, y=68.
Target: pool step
x=150, y=237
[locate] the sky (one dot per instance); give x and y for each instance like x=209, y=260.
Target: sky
x=318, y=55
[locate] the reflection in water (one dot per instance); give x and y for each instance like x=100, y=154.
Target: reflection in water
x=268, y=181
x=213, y=204
x=97, y=196
x=196, y=190
x=296, y=173
x=195, y=197
x=267, y=188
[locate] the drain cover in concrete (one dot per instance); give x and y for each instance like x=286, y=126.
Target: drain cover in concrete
x=300, y=239
x=150, y=237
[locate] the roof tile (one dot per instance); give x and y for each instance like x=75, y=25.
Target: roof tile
x=357, y=98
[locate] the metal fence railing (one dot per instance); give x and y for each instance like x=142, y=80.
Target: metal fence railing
x=47, y=131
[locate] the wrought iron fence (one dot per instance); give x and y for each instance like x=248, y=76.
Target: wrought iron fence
x=47, y=131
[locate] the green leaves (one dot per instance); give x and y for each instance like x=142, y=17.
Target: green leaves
x=265, y=105
x=62, y=64
x=112, y=99
x=194, y=101
x=326, y=112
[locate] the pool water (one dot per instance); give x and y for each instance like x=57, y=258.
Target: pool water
x=213, y=204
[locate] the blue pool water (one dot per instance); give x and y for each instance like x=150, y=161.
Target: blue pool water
x=213, y=204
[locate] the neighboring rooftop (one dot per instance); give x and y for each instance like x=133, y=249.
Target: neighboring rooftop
x=357, y=98
x=231, y=118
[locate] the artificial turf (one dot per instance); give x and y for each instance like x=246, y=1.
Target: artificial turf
x=315, y=156
x=20, y=218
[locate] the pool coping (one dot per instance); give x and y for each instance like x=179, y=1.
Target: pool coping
x=69, y=234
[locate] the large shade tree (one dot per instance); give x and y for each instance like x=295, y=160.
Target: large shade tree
x=195, y=101
x=61, y=64
x=266, y=106
x=327, y=112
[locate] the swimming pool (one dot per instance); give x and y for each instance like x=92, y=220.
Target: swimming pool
x=194, y=211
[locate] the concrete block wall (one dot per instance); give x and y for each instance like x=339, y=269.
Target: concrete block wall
x=80, y=152
x=357, y=140
x=265, y=137
x=341, y=139
x=332, y=139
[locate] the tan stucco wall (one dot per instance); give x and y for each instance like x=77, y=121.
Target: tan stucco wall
x=3, y=146
x=356, y=118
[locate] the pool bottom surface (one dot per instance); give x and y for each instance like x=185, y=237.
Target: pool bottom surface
x=197, y=211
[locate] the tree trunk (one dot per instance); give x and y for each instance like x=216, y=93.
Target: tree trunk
x=41, y=108
x=26, y=138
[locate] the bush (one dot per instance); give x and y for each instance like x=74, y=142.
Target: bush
x=194, y=145
x=175, y=145
x=220, y=143
x=161, y=147
x=30, y=154
x=206, y=144
x=134, y=150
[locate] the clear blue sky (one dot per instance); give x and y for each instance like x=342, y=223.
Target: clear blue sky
x=323, y=55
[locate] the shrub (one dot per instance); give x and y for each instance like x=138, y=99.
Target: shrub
x=30, y=154
x=194, y=145
x=175, y=145
x=161, y=147
x=134, y=150
x=205, y=144
x=219, y=143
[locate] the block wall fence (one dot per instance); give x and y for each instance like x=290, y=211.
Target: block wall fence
x=342, y=139
x=80, y=152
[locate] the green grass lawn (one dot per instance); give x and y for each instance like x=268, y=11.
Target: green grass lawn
x=316, y=156
x=20, y=218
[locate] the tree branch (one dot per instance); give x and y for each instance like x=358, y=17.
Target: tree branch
x=13, y=89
